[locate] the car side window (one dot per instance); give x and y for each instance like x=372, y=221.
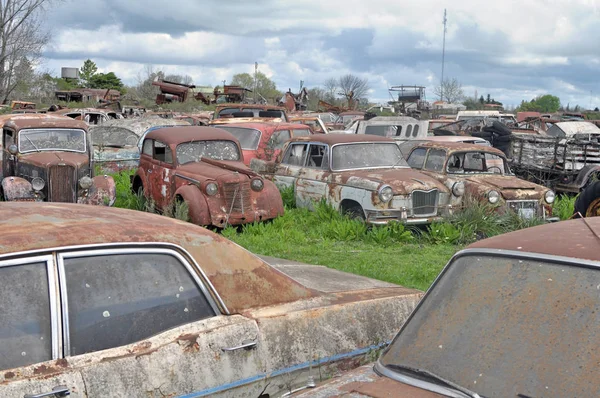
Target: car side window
x=279, y=138
x=415, y=130
x=147, y=148
x=417, y=158
x=318, y=156
x=435, y=160
x=118, y=299
x=25, y=323
x=295, y=155
x=162, y=152
x=9, y=138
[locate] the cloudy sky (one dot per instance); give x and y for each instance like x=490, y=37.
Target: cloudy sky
x=512, y=50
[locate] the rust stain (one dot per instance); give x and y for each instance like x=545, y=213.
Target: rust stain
x=9, y=375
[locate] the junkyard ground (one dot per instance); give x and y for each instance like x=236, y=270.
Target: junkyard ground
x=412, y=258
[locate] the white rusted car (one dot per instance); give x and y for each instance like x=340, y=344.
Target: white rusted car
x=128, y=304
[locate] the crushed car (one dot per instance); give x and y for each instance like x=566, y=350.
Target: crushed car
x=515, y=315
x=203, y=167
x=485, y=176
x=363, y=176
x=91, y=116
x=133, y=304
x=264, y=140
x=48, y=158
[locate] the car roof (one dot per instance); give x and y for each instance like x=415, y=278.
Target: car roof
x=138, y=125
x=332, y=139
x=43, y=120
x=249, y=106
x=242, y=280
x=578, y=238
x=176, y=135
x=459, y=147
x=453, y=138
x=268, y=125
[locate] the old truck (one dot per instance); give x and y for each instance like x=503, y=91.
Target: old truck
x=203, y=167
x=48, y=158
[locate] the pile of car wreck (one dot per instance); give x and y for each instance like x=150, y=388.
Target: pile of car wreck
x=131, y=304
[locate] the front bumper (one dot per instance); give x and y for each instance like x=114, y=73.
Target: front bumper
x=222, y=220
x=382, y=217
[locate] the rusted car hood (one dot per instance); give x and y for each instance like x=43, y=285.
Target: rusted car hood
x=502, y=182
x=402, y=180
x=364, y=382
x=110, y=153
x=46, y=159
x=204, y=170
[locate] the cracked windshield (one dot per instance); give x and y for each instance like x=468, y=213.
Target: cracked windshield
x=52, y=139
x=217, y=150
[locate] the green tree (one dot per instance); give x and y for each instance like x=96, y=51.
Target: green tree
x=265, y=87
x=87, y=72
x=106, y=80
x=545, y=103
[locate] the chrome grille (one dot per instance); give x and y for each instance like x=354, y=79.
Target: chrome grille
x=61, y=184
x=425, y=203
x=524, y=208
x=237, y=196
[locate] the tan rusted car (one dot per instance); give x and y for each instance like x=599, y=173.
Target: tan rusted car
x=204, y=167
x=123, y=303
x=515, y=315
x=361, y=175
x=49, y=158
x=484, y=175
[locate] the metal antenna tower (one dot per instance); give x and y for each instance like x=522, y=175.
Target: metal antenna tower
x=443, y=56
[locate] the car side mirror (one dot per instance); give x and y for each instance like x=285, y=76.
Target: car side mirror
x=13, y=149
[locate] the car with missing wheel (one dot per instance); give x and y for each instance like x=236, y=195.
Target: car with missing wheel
x=204, y=168
x=361, y=175
x=515, y=315
x=484, y=175
x=49, y=158
x=133, y=304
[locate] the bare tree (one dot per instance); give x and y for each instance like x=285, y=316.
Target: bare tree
x=450, y=91
x=21, y=36
x=331, y=87
x=354, y=87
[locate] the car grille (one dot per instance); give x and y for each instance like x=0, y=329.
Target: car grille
x=61, y=186
x=524, y=208
x=425, y=203
x=237, y=196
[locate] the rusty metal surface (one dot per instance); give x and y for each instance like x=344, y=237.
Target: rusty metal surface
x=174, y=136
x=262, y=107
x=137, y=125
x=331, y=139
x=102, y=193
x=19, y=189
x=27, y=121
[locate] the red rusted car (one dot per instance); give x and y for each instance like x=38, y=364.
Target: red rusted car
x=203, y=167
x=265, y=140
x=49, y=158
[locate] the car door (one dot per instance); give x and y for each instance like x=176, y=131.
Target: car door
x=291, y=166
x=140, y=321
x=160, y=174
x=30, y=356
x=312, y=184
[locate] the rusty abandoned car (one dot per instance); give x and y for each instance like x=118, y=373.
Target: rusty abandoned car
x=203, y=168
x=485, y=176
x=363, y=176
x=132, y=304
x=250, y=111
x=510, y=316
x=47, y=158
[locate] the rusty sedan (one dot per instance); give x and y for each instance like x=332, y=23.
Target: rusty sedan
x=203, y=167
x=132, y=304
x=510, y=316
x=48, y=158
x=484, y=175
x=363, y=176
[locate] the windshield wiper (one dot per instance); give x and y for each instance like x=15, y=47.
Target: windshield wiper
x=31, y=142
x=430, y=376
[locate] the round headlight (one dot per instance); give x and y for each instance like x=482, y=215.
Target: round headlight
x=458, y=189
x=549, y=196
x=212, y=188
x=257, y=184
x=38, y=184
x=385, y=193
x=493, y=197
x=86, y=182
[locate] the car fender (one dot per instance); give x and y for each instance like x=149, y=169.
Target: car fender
x=102, y=192
x=17, y=188
x=584, y=175
x=198, y=207
x=142, y=175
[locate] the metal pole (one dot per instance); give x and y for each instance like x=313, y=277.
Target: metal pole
x=255, y=75
x=443, y=58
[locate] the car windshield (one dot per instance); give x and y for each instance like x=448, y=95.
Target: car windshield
x=55, y=139
x=476, y=162
x=506, y=326
x=113, y=137
x=217, y=149
x=367, y=155
x=301, y=132
x=248, y=138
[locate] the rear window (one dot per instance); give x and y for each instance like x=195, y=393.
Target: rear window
x=248, y=138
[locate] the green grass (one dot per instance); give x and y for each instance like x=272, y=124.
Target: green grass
x=564, y=207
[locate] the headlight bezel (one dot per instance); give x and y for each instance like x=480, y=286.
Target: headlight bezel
x=383, y=192
x=86, y=182
x=493, y=196
x=211, y=188
x=552, y=194
x=258, y=181
x=458, y=188
x=36, y=181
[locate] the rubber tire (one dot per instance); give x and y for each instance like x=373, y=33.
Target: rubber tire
x=500, y=128
x=355, y=213
x=483, y=134
x=503, y=138
x=586, y=197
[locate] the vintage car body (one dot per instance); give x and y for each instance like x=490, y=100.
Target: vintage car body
x=203, y=167
x=264, y=140
x=132, y=304
x=117, y=143
x=48, y=158
x=362, y=175
x=511, y=316
x=400, y=128
x=250, y=110
x=315, y=123
x=91, y=116
x=485, y=175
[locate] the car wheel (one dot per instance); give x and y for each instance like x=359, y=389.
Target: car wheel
x=500, y=128
x=355, y=213
x=588, y=201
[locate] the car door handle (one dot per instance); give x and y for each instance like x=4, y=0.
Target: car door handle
x=246, y=345
x=58, y=392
